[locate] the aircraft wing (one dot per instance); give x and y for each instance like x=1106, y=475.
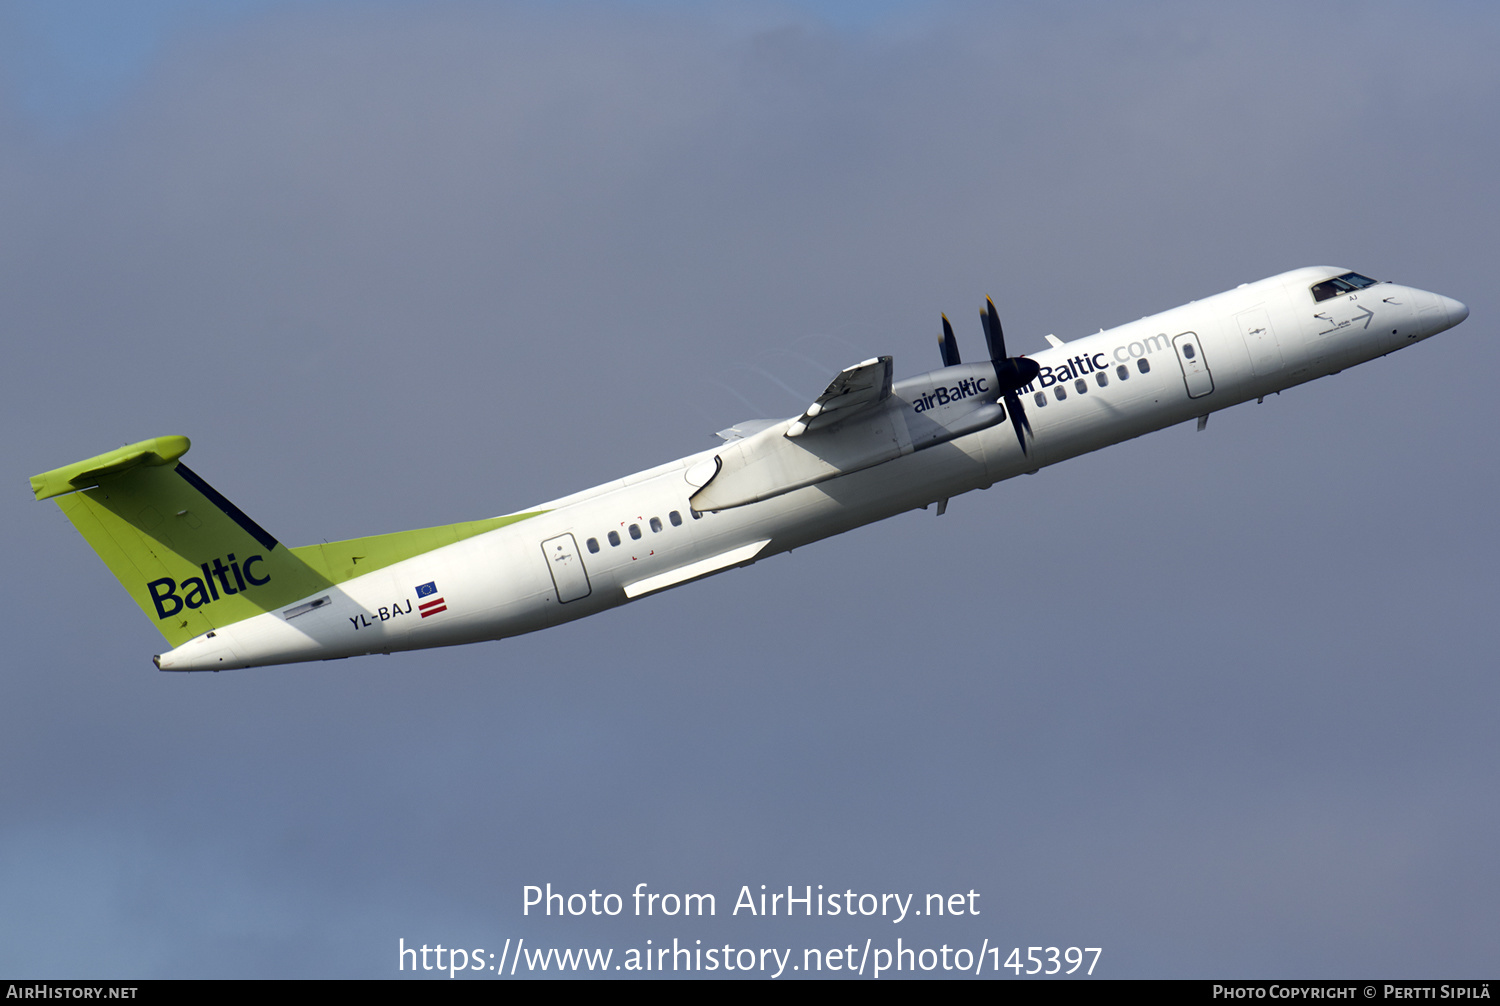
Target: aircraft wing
x=855, y=388
x=853, y=425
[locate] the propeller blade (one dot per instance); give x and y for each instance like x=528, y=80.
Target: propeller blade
x=994, y=335
x=1011, y=373
x=948, y=345
x=1018, y=419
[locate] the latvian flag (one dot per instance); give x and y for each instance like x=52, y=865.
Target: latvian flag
x=432, y=606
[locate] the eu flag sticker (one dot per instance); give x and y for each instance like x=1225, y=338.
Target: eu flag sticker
x=427, y=588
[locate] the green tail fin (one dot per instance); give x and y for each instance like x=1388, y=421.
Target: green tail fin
x=191, y=559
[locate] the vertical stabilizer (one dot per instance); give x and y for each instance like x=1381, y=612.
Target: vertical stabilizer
x=190, y=558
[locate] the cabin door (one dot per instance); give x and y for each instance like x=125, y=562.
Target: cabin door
x=1260, y=340
x=1194, y=367
x=566, y=567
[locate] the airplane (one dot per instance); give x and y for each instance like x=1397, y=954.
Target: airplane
x=225, y=593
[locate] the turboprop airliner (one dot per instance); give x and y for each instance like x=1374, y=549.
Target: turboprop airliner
x=227, y=594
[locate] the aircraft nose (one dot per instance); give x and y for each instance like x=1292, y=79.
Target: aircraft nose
x=1457, y=311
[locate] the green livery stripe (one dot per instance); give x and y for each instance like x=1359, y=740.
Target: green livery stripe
x=344, y=560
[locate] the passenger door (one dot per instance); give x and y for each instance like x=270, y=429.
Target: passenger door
x=1194, y=367
x=566, y=566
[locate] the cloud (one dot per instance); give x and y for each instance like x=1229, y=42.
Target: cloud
x=412, y=264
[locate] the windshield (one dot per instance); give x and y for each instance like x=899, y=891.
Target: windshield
x=1347, y=283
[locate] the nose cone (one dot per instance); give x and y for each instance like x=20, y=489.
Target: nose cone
x=1457, y=311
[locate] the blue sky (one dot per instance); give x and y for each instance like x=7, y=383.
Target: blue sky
x=70, y=62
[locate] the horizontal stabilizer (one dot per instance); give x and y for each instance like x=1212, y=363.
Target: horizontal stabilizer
x=86, y=474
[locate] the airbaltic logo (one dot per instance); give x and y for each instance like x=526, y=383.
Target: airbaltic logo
x=1087, y=364
x=197, y=592
x=1076, y=367
x=967, y=388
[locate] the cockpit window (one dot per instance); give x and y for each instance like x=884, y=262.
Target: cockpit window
x=1347, y=283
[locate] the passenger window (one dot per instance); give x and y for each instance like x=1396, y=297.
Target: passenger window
x=696, y=515
x=1187, y=350
x=675, y=518
x=1041, y=398
x=1060, y=392
x=614, y=537
x=1081, y=385
x=1122, y=372
x=655, y=523
x=593, y=544
x=635, y=531
x=1143, y=365
x=1102, y=378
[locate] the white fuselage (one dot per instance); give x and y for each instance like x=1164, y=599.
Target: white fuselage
x=560, y=565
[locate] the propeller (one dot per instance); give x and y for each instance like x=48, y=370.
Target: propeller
x=948, y=345
x=1011, y=372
